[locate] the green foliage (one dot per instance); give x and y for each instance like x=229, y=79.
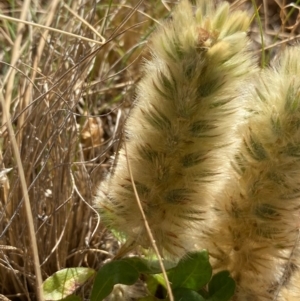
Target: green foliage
x=221, y=287
x=65, y=282
x=185, y=294
x=189, y=279
x=192, y=272
x=115, y=272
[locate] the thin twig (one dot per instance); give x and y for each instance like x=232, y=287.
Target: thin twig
x=285, y=41
x=287, y=266
x=36, y=261
x=50, y=29
x=15, y=55
x=91, y=207
x=149, y=232
x=28, y=91
x=103, y=40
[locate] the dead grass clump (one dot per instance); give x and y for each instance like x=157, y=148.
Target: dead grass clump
x=67, y=99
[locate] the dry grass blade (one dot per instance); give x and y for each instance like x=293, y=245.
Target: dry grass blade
x=148, y=229
x=15, y=55
x=84, y=22
x=66, y=104
x=30, y=222
x=51, y=29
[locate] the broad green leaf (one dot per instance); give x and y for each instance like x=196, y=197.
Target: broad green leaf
x=147, y=266
x=221, y=287
x=193, y=271
x=203, y=292
x=114, y=272
x=155, y=266
x=141, y=265
x=65, y=282
x=185, y=294
x=160, y=279
x=154, y=287
x=152, y=284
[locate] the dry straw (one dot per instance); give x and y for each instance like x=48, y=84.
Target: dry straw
x=65, y=98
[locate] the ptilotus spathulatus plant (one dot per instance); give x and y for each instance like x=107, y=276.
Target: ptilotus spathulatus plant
x=255, y=231
x=291, y=290
x=182, y=127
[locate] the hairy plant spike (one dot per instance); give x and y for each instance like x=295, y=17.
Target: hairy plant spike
x=255, y=230
x=182, y=128
x=221, y=16
x=290, y=290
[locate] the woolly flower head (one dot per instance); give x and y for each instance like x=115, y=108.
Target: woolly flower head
x=255, y=230
x=215, y=34
x=181, y=128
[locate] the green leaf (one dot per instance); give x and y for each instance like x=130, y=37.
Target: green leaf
x=152, y=284
x=221, y=287
x=155, y=265
x=65, y=282
x=185, y=294
x=193, y=272
x=142, y=266
x=120, y=271
x=154, y=287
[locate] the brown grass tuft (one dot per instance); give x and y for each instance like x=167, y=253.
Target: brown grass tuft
x=67, y=99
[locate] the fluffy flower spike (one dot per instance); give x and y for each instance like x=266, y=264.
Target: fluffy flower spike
x=255, y=233
x=181, y=129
